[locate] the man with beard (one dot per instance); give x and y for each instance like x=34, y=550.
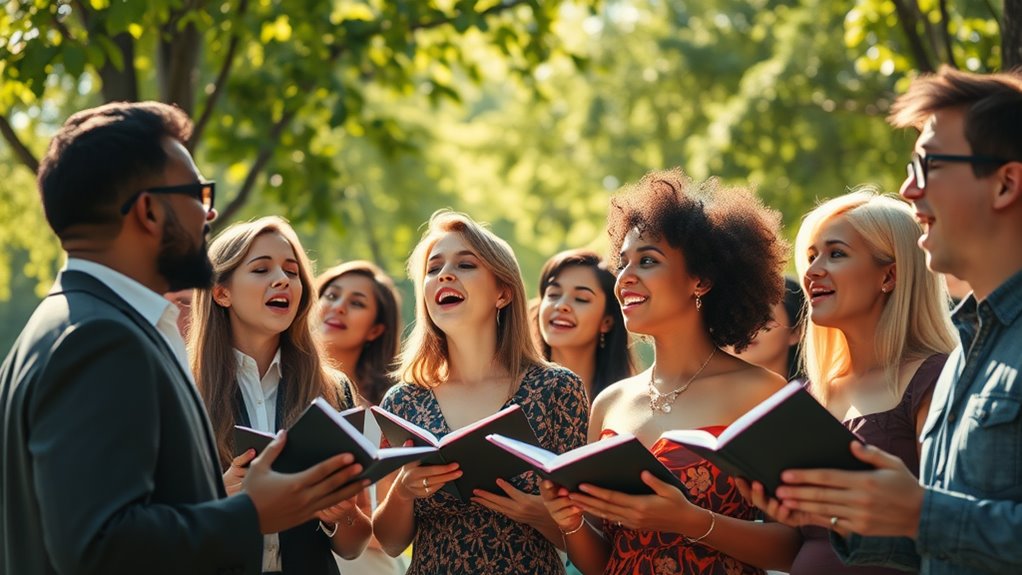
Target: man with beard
x=108, y=460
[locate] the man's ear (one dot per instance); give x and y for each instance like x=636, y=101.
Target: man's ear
x=147, y=214
x=1010, y=190
x=221, y=295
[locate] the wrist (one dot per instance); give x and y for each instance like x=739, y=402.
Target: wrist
x=572, y=530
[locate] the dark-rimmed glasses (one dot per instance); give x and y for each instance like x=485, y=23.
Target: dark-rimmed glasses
x=204, y=192
x=919, y=167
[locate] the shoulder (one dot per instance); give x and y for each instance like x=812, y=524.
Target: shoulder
x=750, y=384
x=401, y=394
x=616, y=392
x=551, y=375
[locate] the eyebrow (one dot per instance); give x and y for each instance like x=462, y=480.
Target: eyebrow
x=257, y=258
x=461, y=253
x=557, y=284
x=647, y=248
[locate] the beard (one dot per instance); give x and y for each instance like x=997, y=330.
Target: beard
x=181, y=264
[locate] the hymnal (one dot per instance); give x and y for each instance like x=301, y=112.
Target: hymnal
x=480, y=462
x=320, y=433
x=788, y=430
x=615, y=463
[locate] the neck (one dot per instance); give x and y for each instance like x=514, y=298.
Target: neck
x=990, y=272
x=778, y=365
x=261, y=348
x=471, y=356
x=580, y=360
x=347, y=361
x=862, y=351
x=682, y=354
x=123, y=262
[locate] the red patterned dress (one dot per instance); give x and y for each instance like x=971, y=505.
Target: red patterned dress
x=660, y=553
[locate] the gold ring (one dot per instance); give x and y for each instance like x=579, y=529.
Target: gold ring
x=833, y=522
x=425, y=483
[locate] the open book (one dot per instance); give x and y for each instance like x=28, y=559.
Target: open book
x=615, y=463
x=788, y=430
x=321, y=432
x=480, y=462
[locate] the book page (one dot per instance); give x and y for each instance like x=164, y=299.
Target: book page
x=408, y=426
x=698, y=437
x=454, y=435
x=533, y=454
x=580, y=453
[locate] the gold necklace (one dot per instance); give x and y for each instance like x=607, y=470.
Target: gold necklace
x=662, y=401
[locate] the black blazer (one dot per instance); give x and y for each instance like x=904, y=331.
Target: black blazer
x=109, y=465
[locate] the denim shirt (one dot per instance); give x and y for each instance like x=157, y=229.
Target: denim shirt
x=971, y=465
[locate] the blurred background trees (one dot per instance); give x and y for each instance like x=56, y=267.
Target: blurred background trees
x=357, y=119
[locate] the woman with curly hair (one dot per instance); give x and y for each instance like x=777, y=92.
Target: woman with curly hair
x=699, y=268
x=469, y=356
x=579, y=320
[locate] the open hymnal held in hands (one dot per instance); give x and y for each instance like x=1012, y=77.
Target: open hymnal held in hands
x=320, y=433
x=480, y=462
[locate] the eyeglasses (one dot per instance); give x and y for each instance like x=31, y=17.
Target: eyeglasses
x=919, y=167
x=202, y=191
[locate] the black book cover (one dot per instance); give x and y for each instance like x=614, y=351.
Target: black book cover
x=614, y=463
x=788, y=430
x=320, y=433
x=480, y=462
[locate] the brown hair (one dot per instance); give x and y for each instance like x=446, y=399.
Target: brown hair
x=424, y=360
x=211, y=339
x=992, y=105
x=728, y=237
x=372, y=373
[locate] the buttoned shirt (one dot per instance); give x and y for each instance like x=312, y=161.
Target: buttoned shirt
x=971, y=464
x=260, y=396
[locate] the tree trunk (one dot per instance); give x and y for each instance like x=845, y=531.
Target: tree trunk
x=121, y=85
x=177, y=65
x=1011, y=35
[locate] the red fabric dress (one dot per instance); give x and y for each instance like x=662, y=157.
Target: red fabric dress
x=661, y=553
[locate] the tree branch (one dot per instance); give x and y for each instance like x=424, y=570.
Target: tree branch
x=495, y=9
x=20, y=150
x=907, y=17
x=220, y=84
x=945, y=29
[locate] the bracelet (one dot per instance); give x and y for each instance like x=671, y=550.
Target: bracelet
x=328, y=532
x=575, y=530
x=713, y=523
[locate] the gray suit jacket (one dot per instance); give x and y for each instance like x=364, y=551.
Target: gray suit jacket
x=109, y=465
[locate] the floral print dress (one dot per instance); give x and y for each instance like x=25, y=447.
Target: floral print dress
x=467, y=538
x=641, y=552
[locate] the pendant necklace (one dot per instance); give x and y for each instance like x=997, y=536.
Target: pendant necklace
x=662, y=401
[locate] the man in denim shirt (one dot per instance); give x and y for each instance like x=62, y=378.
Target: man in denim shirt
x=964, y=515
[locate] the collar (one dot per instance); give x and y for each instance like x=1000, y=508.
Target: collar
x=149, y=304
x=246, y=361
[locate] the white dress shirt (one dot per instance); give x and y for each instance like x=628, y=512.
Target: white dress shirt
x=260, y=397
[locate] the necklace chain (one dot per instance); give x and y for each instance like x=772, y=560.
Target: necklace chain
x=662, y=401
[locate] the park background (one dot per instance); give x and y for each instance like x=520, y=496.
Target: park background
x=357, y=119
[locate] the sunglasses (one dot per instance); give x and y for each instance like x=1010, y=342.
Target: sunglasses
x=204, y=192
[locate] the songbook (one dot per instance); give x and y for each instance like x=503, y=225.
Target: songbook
x=319, y=433
x=788, y=430
x=480, y=462
x=614, y=463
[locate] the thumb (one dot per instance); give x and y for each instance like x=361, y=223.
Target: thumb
x=270, y=453
x=661, y=488
x=875, y=456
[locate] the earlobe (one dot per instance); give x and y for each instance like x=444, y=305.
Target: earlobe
x=221, y=296
x=1011, y=186
x=375, y=332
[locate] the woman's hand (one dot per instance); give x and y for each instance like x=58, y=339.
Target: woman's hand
x=518, y=505
x=666, y=510
x=416, y=481
x=342, y=513
x=235, y=474
x=561, y=509
x=756, y=495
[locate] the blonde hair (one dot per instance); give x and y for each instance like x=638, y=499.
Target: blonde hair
x=915, y=322
x=211, y=339
x=424, y=360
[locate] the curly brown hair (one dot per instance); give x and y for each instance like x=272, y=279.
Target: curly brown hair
x=728, y=237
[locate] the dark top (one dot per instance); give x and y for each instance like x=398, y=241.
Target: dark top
x=642, y=552
x=467, y=538
x=894, y=431
x=109, y=464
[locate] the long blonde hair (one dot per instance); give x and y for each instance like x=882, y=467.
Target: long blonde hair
x=424, y=360
x=915, y=322
x=211, y=340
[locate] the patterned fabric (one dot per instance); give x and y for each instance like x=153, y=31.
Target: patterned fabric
x=661, y=553
x=455, y=537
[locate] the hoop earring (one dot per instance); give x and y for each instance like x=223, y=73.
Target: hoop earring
x=699, y=302
x=603, y=339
